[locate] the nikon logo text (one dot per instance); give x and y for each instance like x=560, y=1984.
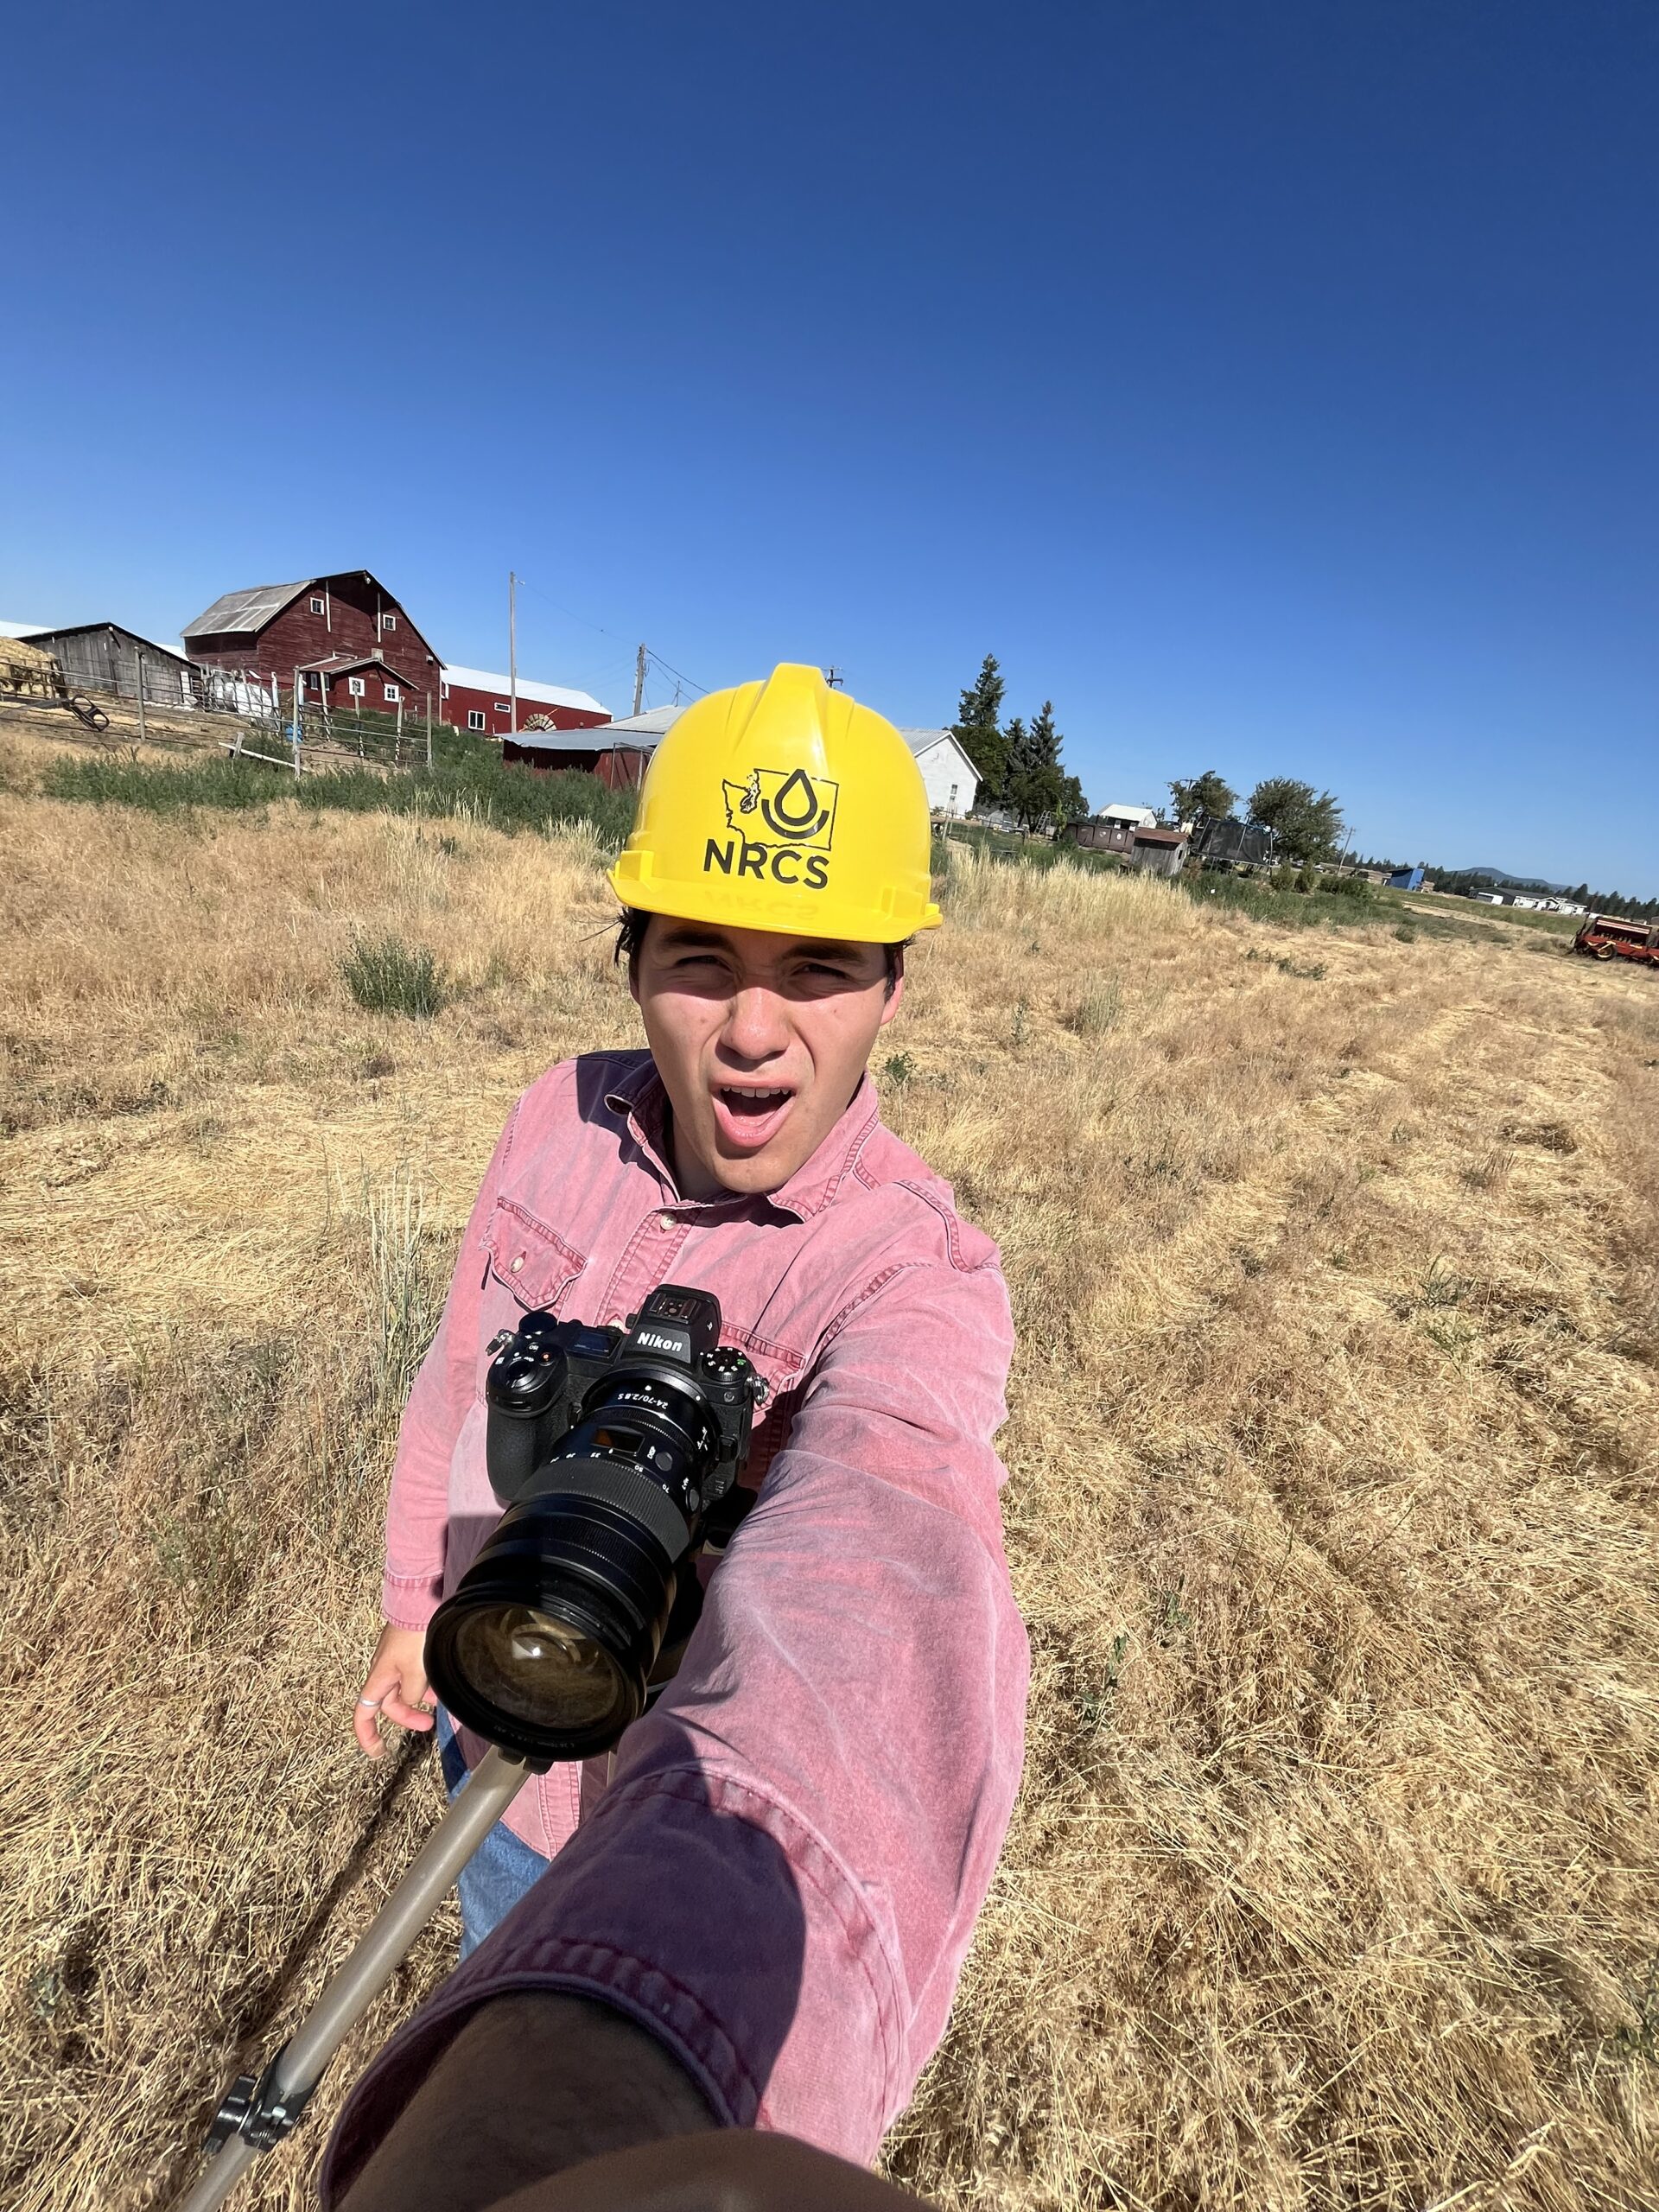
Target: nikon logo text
x=649, y=1340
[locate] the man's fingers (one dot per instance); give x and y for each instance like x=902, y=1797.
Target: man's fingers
x=381, y=1684
x=363, y=1727
x=406, y=1715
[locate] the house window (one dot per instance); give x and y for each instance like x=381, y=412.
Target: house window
x=475, y=718
x=953, y=795
x=388, y=622
x=355, y=686
x=393, y=692
x=313, y=682
x=317, y=606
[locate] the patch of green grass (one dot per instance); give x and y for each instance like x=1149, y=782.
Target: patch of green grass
x=479, y=787
x=898, y=1067
x=236, y=785
x=386, y=975
x=1255, y=898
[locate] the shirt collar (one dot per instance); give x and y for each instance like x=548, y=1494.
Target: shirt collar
x=642, y=1103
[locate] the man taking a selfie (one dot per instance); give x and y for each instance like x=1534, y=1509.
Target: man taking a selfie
x=755, y=1913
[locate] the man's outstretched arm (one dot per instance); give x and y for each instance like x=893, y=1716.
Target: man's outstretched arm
x=781, y=1882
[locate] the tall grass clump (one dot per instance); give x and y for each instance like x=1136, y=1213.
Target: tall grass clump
x=386, y=975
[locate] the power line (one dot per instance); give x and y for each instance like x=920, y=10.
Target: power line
x=679, y=676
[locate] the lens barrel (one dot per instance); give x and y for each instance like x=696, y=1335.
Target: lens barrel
x=546, y=1645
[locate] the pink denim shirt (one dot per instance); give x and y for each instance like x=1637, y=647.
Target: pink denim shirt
x=781, y=1879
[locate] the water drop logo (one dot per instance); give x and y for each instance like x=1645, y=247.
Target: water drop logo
x=789, y=807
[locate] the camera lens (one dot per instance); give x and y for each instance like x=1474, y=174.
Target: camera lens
x=546, y=1645
x=529, y=1663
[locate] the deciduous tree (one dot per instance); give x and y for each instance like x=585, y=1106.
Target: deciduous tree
x=1307, y=823
x=1210, y=793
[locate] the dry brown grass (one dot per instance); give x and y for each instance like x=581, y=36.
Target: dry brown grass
x=1334, y=1474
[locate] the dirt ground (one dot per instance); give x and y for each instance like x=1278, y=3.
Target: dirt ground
x=1333, y=1478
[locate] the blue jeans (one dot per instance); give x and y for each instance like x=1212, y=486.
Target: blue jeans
x=499, y=1871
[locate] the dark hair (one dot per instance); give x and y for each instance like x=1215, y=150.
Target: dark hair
x=630, y=936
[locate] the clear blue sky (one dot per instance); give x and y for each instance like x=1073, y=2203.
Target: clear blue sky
x=1271, y=383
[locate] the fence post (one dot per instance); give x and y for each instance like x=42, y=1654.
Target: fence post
x=296, y=725
x=429, y=730
x=144, y=730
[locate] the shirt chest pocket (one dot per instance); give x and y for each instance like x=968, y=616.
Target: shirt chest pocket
x=529, y=1268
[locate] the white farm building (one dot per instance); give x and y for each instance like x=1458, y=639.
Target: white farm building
x=950, y=777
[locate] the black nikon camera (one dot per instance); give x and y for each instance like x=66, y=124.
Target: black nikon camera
x=610, y=1452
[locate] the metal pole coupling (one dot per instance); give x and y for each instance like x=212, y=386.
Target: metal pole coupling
x=257, y=2111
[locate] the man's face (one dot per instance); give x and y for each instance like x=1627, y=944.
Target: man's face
x=759, y=1039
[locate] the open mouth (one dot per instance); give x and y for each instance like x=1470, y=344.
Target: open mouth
x=750, y=1115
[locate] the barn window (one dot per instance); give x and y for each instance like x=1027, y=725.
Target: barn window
x=316, y=607
x=475, y=718
x=502, y=708
x=394, y=692
x=356, y=686
x=388, y=622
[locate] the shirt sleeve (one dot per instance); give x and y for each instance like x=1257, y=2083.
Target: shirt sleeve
x=417, y=1505
x=782, y=1881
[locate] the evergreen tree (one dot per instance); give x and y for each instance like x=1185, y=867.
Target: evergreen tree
x=977, y=730
x=1037, y=782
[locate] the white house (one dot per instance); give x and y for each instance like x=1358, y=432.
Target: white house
x=1128, y=818
x=949, y=775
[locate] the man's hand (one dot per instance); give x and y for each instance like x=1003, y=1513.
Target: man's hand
x=396, y=1685
x=534, y=2082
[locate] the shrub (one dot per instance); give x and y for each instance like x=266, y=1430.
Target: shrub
x=385, y=976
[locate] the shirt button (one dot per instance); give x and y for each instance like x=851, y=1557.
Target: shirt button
x=664, y=1221
x=516, y=1261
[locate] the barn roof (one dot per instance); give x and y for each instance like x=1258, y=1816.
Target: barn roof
x=86, y=629
x=245, y=612
x=651, y=724
x=924, y=740
x=603, y=737
x=339, y=663
x=544, y=694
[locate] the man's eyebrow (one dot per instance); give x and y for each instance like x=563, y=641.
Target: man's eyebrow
x=688, y=936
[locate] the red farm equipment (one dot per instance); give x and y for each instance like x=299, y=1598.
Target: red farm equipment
x=1609, y=936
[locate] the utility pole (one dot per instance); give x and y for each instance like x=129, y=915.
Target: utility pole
x=513, y=653
x=639, y=679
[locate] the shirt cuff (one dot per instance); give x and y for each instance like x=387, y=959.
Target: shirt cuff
x=410, y=1600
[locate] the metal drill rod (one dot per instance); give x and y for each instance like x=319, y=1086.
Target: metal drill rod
x=296, y=2071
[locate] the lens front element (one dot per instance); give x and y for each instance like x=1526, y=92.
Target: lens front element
x=527, y=1665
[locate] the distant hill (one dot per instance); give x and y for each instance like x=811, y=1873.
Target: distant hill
x=1513, y=882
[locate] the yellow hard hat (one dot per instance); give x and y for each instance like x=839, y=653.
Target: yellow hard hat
x=783, y=806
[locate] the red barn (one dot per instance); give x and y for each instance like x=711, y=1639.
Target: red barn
x=476, y=699
x=342, y=630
